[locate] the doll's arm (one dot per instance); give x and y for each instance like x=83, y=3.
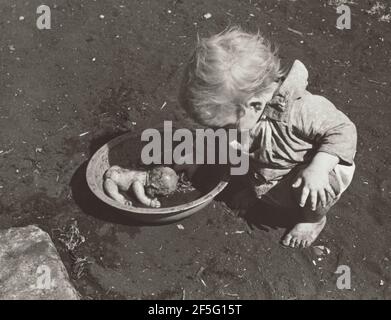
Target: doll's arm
x=139, y=192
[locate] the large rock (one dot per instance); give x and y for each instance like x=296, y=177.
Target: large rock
x=30, y=267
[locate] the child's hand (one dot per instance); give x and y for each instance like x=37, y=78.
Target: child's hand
x=315, y=180
x=316, y=185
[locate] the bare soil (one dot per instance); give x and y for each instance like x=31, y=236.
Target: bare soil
x=66, y=91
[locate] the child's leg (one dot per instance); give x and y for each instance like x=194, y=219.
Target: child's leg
x=311, y=223
x=242, y=193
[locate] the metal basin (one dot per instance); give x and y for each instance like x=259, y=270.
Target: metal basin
x=125, y=151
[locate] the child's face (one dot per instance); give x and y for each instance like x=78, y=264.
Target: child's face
x=254, y=107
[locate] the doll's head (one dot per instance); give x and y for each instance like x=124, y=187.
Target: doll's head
x=161, y=181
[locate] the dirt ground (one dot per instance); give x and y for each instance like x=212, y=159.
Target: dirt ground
x=107, y=67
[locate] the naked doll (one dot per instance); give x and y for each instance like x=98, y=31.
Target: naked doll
x=145, y=185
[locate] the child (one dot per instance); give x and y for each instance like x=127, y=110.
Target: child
x=144, y=184
x=301, y=147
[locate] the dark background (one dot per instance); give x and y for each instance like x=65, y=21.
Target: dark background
x=111, y=75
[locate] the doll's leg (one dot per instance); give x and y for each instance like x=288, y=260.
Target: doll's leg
x=112, y=190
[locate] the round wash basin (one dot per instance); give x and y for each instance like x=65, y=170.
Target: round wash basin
x=125, y=151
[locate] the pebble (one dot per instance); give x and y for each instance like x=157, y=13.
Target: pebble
x=207, y=15
x=321, y=250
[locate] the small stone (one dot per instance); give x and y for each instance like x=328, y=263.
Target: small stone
x=207, y=15
x=321, y=250
x=180, y=227
x=101, y=16
x=21, y=18
x=31, y=268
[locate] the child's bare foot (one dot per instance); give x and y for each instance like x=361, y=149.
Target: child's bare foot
x=303, y=234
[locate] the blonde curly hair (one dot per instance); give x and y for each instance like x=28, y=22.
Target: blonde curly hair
x=225, y=71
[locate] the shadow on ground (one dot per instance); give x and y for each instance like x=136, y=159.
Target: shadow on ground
x=272, y=217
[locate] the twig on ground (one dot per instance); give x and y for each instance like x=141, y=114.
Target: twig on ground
x=296, y=31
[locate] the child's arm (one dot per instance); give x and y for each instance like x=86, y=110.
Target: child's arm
x=334, y=137
x=320, y=122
